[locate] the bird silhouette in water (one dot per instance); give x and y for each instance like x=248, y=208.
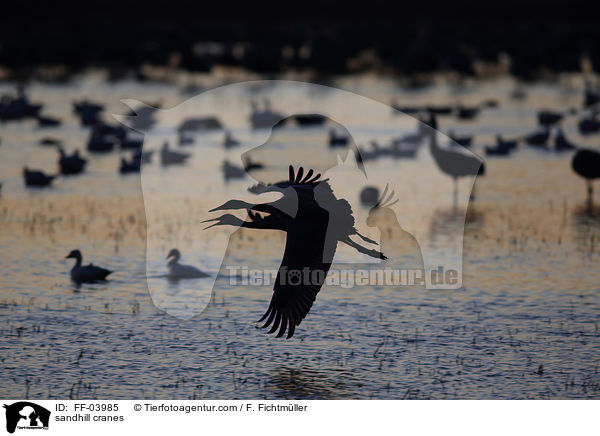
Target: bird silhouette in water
x=180, y=271
x=88, y=273
x=586, y=163
x=37, y=178
x=452, y=160
x=314, y=221
x=71, y=164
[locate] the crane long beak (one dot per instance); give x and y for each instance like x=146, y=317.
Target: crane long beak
x=210, y=220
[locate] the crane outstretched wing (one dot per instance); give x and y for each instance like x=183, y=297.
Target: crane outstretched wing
x=293, y=297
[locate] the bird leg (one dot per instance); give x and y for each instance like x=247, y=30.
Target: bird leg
x=373, y=253
x=590, y=191
x=455, y=193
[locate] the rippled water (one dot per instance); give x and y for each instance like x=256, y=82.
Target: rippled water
x=524, y=325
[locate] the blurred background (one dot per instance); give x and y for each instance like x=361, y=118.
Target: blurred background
x=529, y=40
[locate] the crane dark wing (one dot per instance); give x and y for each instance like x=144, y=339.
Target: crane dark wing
x=301, y=275
x=291, y=302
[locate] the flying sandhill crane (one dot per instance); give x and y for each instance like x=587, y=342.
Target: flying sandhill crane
x=586, y=163
x=314, y=221
x=454, y=161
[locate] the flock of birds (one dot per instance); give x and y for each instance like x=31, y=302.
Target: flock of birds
x=92, y=274
x=104, y=138
x=290, y=305
x=548, y=137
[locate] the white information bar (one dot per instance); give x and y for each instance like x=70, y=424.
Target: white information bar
x=248, y=417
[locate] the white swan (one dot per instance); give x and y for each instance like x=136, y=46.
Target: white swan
x=180, y=271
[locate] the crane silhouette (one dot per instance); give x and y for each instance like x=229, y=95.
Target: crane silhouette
x=314, y=221
x=453, y=160
x=586, y=163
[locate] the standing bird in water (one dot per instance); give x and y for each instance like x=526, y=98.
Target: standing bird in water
x=314, y=221
x=454, y=161
x=586, y=163
x=88, y=273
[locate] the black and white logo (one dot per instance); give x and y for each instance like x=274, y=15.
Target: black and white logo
x=26, y=415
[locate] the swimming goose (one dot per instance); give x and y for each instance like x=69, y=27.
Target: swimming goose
x=250, y=165
x=131, y=143
x=229, y=140
x=143, y=157
x=170, y=157
x=51, y=142
x=87, y=112
x=538, y=138
x=265, y=118
x=98, y=143
x=18, y=107
x=561, y=143
x=400, y=148
x=231, y=171
x=36, y=178
x=71, y=164
x=549, y=118
x=88, y=273
x=467, y=112
x=465, y=141
x=48, y=121
x=130, y=167
x=180, y=271
x=375, y=152
x=337, y=140
x=502, y=147
x=589, y=124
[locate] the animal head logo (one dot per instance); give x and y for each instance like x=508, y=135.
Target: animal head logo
x=305, y=145
x=26, y=415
